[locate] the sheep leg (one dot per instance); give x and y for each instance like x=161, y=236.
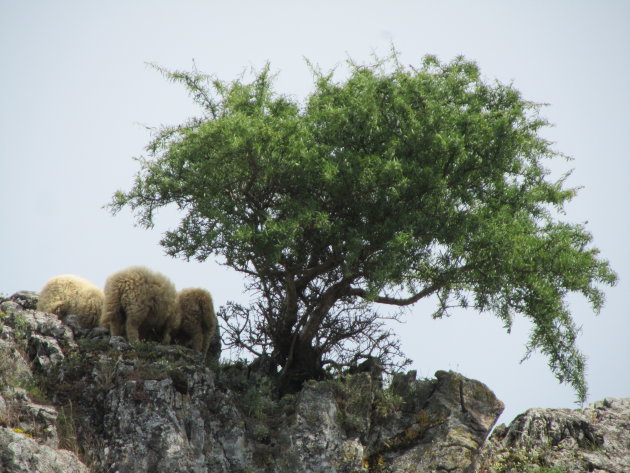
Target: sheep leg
x=132, y=333
x=166, y=339
x=116, y=327
x=134, y=320
x=206, y=343
x=197, y=341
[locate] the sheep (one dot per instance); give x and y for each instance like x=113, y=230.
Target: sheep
x=69, y=294
x=140, y=304
x=198, y=319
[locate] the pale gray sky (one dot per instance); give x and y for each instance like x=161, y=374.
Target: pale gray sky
x=75, y=95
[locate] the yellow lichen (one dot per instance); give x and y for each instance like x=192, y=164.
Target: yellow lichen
x=20, y=431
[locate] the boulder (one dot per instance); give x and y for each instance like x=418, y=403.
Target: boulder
x=449, y=421
x=594, y=439
x=19, y=453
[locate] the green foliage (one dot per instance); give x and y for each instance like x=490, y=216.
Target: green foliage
x=521, y=461
x=256, y=397
x=8, y=375
x=66, y=428
x=257, y=400
x=34, y=389
x=21, y=330
x=395, y=184
x=548, y=470
x=93, y=345
x=387, y=402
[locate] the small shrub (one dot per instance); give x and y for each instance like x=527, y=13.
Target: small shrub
x=147, y=371
x=93, y=345
x=547, y=470
x=106, y=373
x=257, y=400
x=287, y=404
x=387, y=402
x=66, y=429
x=34, y=390
x=21, y=331
x=520, y=461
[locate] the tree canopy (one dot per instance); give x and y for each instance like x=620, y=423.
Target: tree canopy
x=389, y=186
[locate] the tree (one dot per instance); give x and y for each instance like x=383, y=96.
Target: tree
x=395, y=184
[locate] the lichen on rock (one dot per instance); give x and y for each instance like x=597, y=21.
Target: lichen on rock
x=593, y=439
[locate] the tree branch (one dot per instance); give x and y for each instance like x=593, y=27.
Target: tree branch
x=309, y=274
x=439, y=283
x=355, y=291
x=328, y=299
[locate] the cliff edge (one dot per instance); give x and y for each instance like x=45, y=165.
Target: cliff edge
x=74, y=400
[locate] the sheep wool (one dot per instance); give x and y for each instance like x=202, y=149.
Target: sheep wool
x=69, y=294
x=199, y=321
x=140, y=304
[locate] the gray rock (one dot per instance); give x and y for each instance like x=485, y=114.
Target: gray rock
x=74, y=323
x=27, y=321
x=97, y=333
x=119, y=343
x=153, y=408
x=29, y=438
x=44, y=352
x=594, y=439
x=449, y=422
x=19, y=453
x=314, y=439
x=26, y=299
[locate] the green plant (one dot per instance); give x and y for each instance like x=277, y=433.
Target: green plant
x=354, y=396
x=287, y=403
x=7, y=369
x=106, y=373
x=21, y=330
x=34, y=389
x=386, y=402
x=143, y=371
x=257, y=399
x=147, y=350
x=520, y=461
x=547, y=470
x=66, y=428
x=93, y=345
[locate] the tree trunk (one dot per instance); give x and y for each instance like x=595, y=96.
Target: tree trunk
x=302, y=364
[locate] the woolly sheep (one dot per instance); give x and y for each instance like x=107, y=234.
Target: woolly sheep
x=199, y=321
x=140, y=304
x=69, y=294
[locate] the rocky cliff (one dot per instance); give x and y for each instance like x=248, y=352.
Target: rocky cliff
x=595, y=439
x=82, y=401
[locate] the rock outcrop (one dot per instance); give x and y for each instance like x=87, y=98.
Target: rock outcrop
x=22, y=454
x=595, y=439
x=77, y=400
x=29, y=425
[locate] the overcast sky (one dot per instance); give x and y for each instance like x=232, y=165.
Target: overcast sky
x=76, y=97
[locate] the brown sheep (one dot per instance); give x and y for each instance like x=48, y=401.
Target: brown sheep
x=199, y=321
x=140, y=304
x=69, y=294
